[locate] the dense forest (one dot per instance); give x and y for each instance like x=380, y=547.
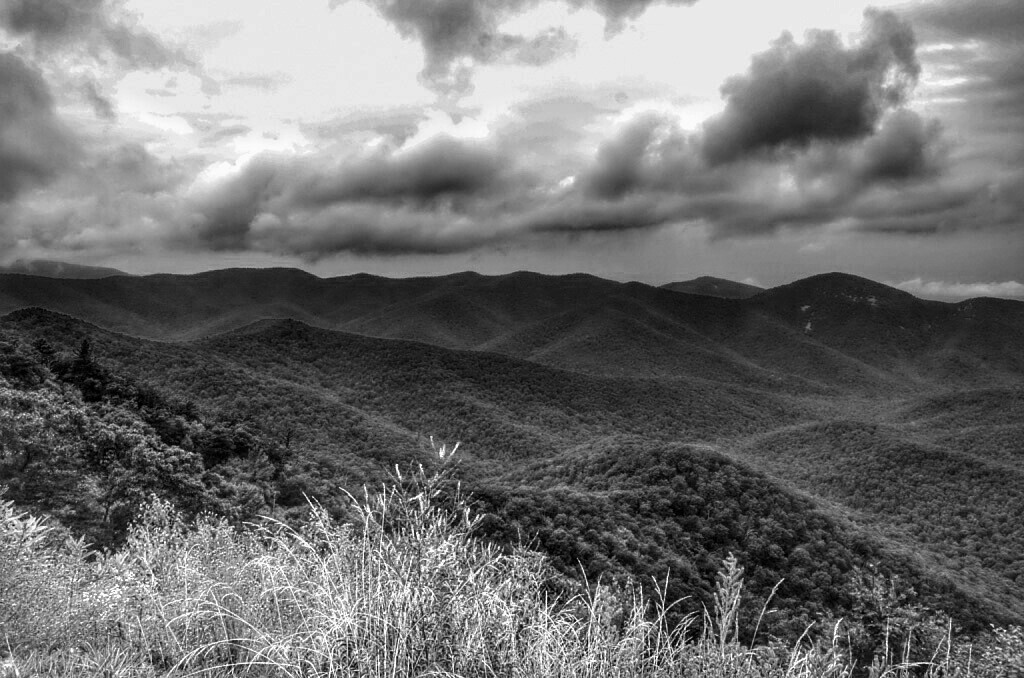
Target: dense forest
x=886, y=493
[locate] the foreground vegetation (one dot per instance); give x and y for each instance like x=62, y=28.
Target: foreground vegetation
x=404, y=590
x=230, y=566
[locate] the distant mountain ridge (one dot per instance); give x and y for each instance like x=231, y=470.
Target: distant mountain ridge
x=820, y=333
x=715, y=287
x=58, y=269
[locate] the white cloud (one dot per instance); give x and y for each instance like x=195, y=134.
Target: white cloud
x=958, y=290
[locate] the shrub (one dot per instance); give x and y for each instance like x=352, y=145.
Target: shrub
x=404, y=590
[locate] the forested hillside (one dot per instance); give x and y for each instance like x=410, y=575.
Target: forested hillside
x=254, y=421
x=832, y=434
x=829, y=332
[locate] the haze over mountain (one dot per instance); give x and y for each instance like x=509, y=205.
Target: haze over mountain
x=58, y=269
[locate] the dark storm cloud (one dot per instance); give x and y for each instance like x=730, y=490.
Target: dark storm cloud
x=650, y=152
x=904, y=147
x=427, y=182
x=224, y=211
x=594, y=216
x=945, y=207
x=438, y=167
x=96, y=26
x=819, y=90
x=814, y=133
x=834, y=144
x=457, y=35
x=446, y=194
x=34, y=145
x=653, y=159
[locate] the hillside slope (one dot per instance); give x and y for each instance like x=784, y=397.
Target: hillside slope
x=827, y=333
x=593, y=470
x=353, y=406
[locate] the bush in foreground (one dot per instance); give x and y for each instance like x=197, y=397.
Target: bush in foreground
x=405, y=590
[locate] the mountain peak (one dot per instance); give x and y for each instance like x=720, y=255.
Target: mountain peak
x=711, y=286
x=843, y=287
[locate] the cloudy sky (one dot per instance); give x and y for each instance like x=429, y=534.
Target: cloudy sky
x=653, y=140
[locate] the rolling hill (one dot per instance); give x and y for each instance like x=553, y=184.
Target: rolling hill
x=633, y=477
x=628, y=429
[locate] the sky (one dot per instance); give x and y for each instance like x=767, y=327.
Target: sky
x=651, y=140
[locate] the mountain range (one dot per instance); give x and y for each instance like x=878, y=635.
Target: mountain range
x=824, y=332
x=815, y=427
x=58, y=269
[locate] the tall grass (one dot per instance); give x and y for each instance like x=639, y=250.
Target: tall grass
x=403, y=590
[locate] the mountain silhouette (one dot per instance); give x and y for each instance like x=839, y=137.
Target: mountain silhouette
x=714, y=287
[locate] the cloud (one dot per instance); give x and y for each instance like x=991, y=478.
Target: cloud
x=119, y=198
x=222, y=133
x=652, y=155
x=94, y=27
x=458, y=35
x=366, y=229
x=130, y=168
x=812, y=134
x=821, y=90
x=649, y=152
x=434, y=179
x=441, y=166
x=618, y=13
x=904, y=147
x=957, y=290
x=101, y=105
x=396, y=124
x=982, y=62
x=266, y=82
x=34, y=145
x=989, y=20
x=444, y=193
